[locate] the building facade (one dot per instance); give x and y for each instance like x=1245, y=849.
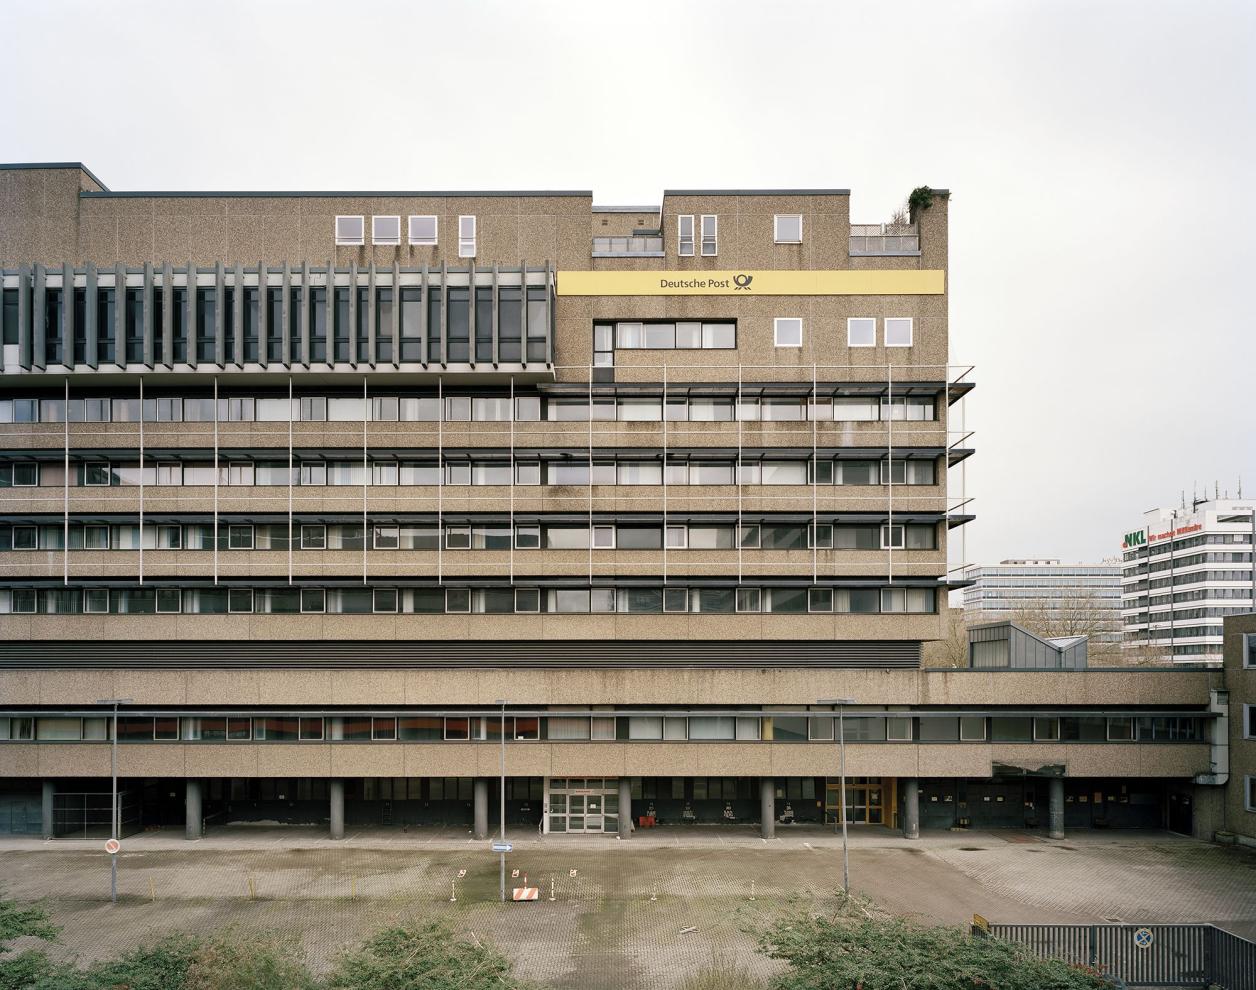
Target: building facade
x=1239, y=821
x=1184, y=571
x=1060, y=599
x=336, y=493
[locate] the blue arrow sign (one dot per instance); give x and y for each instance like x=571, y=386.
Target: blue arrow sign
x=502, y=847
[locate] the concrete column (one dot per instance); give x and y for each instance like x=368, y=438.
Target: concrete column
x=1055, y=808
x=625, y=807
x=910, y=808
x=767, y=807
x=192, y=804
x=480, y=794
x=336, y=799
x=49, y=790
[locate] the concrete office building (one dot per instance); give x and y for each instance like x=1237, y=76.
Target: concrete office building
x=334, y=490
x=1184, y=571
x=1238, y=822
x=1066, y=599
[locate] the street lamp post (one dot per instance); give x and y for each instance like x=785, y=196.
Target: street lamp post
x=841, y=765
x=113, y=815
x=502, y=703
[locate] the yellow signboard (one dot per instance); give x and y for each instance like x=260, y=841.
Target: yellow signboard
x=841, y=282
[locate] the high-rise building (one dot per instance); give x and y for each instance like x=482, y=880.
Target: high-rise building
x=1184, y=571
x=1059, y=599
x=343, y=497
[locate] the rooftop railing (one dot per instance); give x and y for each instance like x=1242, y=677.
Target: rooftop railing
x=628, y=247
x=884, y=239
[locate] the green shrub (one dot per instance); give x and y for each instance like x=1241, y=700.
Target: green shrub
x=868, y=954
x=235, y=961
x=163, y=966
x=33, y=970
x=721, y=975
x=423, y=957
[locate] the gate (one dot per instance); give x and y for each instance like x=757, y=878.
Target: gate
x=1145, y=955
x=87, y=815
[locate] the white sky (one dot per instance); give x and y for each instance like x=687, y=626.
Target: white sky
x=1100, y=156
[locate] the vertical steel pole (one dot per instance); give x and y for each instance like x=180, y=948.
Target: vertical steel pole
x=503, y=808
x=113, y=823
x=841, y=748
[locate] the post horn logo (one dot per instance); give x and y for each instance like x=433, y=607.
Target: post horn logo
x=743, y=281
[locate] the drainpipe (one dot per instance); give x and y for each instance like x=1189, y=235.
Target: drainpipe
x=1219, y=750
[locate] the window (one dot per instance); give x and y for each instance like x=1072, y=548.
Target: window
x=892, y=538
x=972, y=729
x=96, y=475
x=240, y=600
x=749, y=600
x=457, y=600
x=384, y=600
x=1120, y=729
x=898, y=729
x=684, y=235
x=1249, y=721
x=788, y=331
x=239, y=537
x=313, y=537
x=350, y=230
x=95, y=600
x=466, y=237
x=820, y=600
x=604, y=537
x=787, y=228
x=422, y=230
x=385, y=230
x=458, y=538
x=898, y=332
x=1046, y=729
x=1249, y=793
x=527, y=600
x=313, y=600
x=710, y=246
x=1249, y=650
x=26, y=474
x=386, y=538
x=861, y=332
x=169, y=600
x=675, y=600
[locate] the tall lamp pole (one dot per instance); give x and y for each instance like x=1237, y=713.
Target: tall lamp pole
x=113, y=815
x=502, y=703
x=841, y=770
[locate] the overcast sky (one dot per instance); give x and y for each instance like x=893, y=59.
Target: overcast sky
x=1100, y=154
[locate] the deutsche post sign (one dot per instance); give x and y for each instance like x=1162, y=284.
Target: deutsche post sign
x=842, y=282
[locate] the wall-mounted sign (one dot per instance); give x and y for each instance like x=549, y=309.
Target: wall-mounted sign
x=1180, y=531
x=1138, y=538
x=842, y=282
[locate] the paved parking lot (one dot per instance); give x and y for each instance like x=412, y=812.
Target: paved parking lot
x=618, y=907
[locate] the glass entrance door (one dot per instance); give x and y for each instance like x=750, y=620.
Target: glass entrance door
x=864, y=801
x=583, y=804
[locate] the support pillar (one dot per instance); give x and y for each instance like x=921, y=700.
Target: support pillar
x=1055, y=808
x=336, y=799
x=49, y=790
x=767, y=807
x=480, y=794
x=192, y=805
x=910, y=808
x=625, y=807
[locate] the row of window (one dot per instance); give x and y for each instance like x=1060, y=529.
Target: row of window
x=1185, y=543
x=465, y=409
x=105, y=474
x=360, y=600
x=515, y=318
x=564, y=728
x=421, y=230
x=482, y=536
x=702, y=231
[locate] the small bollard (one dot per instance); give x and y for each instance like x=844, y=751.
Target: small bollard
x=453, y=896
x=252, y=890
x=551, y=897
x=752, y=889
x=152, y=892
x=654, y=894
x=353, y=888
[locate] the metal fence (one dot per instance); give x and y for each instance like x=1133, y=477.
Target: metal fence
x=86, y=815
x=1145, y=955
x=640, y=244
x=884, y=238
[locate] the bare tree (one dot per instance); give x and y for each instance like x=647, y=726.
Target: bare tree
x=952, y=649
x=1082, y=613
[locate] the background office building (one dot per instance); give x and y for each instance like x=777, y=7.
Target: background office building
x=1057, y=599
x=336, y=490
x=1184, y=571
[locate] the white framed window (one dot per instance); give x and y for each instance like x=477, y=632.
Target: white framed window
x=898, y=331
x=750, y=536
x=675, y=600
x=1249, y=793
x=527, y=600
x=384, y=600
x=169, y=600
x=1249, y=721
x=313, y=600
x=898, y=728
x=749, y=600
x=385, y=230
x=972, y=728
x=1249, y=650
x=26, y=474
x=787, y=331
x=95, y=600
x=240, y=600
x=861, y=331
x=684, y=235
x=457, y=600
x=527, y=537
x=604, y=537
x=893, y=537
x=1046, y=729
x=97, y=474
x=423, y=230
x=677, y=537
x=819, y=599
x=386, y=538
x=710, y=230
x=528, y=473
x=822, y=536
x=25, y=537
x=458, y=538
x=350, y=230
x=466, y=237
x=787, y=228
x=240, y=536
x=313, y=536
x=95, y=537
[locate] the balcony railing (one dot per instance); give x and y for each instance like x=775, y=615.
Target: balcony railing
x=628, y=247
x=884, y=239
